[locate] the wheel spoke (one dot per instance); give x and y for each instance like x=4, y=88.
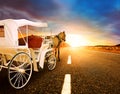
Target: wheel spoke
x=19, y=81
x=24, y=77
x=13, y=71
x=13, y=65
x=17, y=78
x=27, y=69
x=14, y=76
x=50, y=66
x=26, y=65
x=24, y=62
x=27, y=74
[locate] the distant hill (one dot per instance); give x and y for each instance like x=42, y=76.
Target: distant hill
x=117, y=45
x=106, y=45
x=101, y=45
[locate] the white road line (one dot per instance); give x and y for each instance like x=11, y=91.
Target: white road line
x=69, y=60
x=66, y=89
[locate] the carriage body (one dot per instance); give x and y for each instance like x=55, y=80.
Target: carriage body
x=19, y=59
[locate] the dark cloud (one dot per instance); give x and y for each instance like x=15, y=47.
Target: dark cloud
x=16, y=4
x=115, y=19
x=112, y=20
x=10, y=13
x=46, y=8
x=15, y=9
x=35, y=8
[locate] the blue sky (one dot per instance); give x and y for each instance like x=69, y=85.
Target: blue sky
x=99, y=19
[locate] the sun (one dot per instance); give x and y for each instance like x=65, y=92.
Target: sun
x=75, y=40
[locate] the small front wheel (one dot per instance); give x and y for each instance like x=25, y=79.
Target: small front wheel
x=20, y=70
x=51, y=62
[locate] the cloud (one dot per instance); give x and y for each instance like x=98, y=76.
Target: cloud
x=7, y=12
x=15, y=4
x=111, y=23
x=35, y=8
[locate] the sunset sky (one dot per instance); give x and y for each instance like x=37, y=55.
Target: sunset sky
x=95, y=22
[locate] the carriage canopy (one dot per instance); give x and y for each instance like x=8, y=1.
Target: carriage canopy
x=9, y=30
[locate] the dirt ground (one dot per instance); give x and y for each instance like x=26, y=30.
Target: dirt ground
x=92, y=72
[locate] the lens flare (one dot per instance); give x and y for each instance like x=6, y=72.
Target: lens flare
x=75, y=40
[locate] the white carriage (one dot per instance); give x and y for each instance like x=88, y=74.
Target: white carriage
x=21, y=60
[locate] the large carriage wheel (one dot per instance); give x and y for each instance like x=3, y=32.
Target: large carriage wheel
x=1, y=62
x=51, y=64
x=20, y=70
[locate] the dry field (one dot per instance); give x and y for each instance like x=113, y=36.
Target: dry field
x=113, y=49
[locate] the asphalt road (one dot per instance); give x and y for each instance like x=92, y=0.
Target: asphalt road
x=90, y=72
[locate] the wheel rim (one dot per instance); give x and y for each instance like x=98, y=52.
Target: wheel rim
x=1, y=66
x=20, y=70
x=51, y=62
x=1, y=63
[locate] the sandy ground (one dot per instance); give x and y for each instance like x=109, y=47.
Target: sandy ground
x=92, y=72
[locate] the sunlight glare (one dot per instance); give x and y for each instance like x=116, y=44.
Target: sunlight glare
x=75, y=40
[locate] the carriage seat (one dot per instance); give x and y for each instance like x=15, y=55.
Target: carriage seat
x=33, y=41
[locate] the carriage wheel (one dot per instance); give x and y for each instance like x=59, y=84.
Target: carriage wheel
x=1, y=62
x=51, y=64
x=20, y=70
